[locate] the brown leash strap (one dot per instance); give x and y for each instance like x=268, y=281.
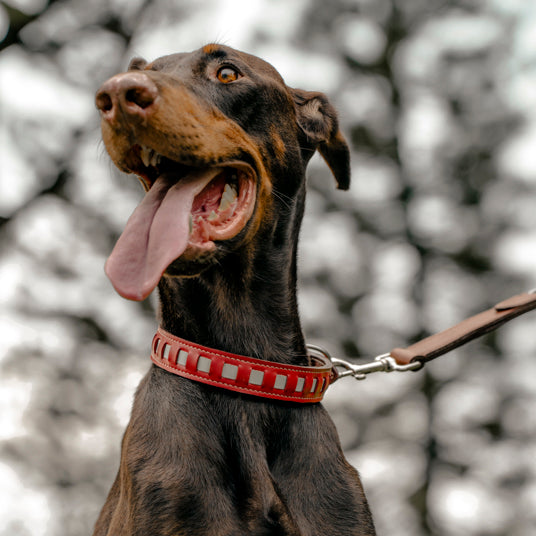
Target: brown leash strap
x=465, y=331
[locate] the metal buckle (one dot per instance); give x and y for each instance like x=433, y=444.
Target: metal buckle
x=381, y=363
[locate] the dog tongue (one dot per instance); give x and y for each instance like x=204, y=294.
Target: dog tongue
x=155, y=235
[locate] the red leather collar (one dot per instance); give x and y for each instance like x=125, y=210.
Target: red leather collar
x=242, y=374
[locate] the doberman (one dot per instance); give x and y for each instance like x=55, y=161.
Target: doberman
x=221, y=144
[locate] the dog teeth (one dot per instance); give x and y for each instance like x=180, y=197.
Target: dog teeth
x=228, y=198
x=225, y=210
x=149, y=157
x=145, y=155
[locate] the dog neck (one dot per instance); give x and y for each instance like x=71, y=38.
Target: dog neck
x=246, y=304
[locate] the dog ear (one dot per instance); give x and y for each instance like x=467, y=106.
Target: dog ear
x=318, y=120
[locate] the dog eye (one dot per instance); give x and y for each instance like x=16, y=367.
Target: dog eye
x=227, y=74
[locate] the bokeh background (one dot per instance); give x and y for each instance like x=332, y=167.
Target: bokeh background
x=438, y=100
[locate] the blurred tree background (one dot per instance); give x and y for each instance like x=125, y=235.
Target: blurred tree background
x=438, y=98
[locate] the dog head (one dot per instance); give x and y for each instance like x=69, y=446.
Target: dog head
x=220, y=144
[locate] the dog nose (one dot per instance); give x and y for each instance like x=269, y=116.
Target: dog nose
x=131, y=93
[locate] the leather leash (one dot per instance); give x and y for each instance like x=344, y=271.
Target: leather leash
x=466, y=331
x=414, y=357
x=307, y=384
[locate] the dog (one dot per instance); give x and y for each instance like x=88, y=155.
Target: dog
x=220, y=144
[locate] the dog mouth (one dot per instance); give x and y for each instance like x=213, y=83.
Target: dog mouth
x=223, y=200
x=186, y=210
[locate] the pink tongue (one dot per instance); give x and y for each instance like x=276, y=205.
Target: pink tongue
x=155, y=235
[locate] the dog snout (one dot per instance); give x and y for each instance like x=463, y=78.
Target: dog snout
x=131, y=94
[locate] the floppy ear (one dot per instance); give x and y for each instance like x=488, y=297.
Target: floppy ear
x=318, y=121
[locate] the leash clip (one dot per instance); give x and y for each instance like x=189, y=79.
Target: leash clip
x=381, y=363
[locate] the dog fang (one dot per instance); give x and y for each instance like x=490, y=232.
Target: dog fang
x=149, y=157
x=228, y=198
x=145, y=155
